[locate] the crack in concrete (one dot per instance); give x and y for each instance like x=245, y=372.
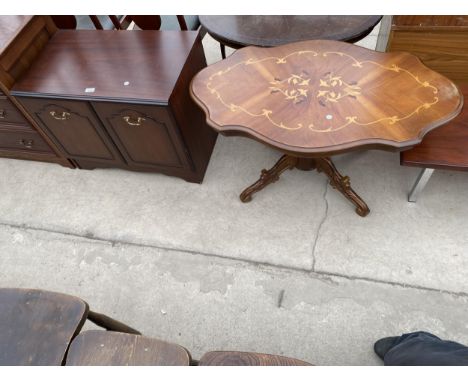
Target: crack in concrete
x=393, y=283
x=320, y=226
x=244, y=263
x=113, y=243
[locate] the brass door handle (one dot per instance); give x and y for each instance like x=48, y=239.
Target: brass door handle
x=134, y=121
x=28, y=143
x=60, y=116
x=2, y=114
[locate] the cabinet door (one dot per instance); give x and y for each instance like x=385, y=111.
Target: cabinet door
x=73, y=126
x=146, y=135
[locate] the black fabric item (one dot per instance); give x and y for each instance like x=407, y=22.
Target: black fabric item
x=382, y=346
x=425, y=349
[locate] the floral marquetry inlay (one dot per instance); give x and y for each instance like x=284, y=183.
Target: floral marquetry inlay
x=330, y=87
x=324, y=87
x=333, y=88
x=294, y=88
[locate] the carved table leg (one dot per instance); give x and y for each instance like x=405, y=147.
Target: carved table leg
x=269, y=176
x=342, y=184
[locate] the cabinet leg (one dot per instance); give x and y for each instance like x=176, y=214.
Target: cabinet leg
x=268, y=176
x=342, y=184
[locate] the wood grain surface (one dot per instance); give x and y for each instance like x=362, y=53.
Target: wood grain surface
x=74, y=127
x=318, y=98
x=113, y=65
x=100, y=348
x=150, y=141
x=22, y=38
x=141, y=116
x=273, y=30
x=431, y=21
x=9, y=114
x=444, y=148
x=439, y=41
x=235, y=358
x=36, y=326
x=11, y=26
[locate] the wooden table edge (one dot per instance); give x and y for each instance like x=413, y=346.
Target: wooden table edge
x=235, y=45
x=382, y=144
x=71, y=297
x=111, y=333
x=237, y=352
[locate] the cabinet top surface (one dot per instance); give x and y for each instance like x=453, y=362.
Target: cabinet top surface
x=114, y=65
x=430, y=20
x=325, y=96
x=10, y=27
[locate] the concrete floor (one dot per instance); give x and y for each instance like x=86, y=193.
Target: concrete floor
x=295, y=272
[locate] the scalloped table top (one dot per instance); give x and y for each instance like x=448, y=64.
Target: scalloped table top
x=322, y=97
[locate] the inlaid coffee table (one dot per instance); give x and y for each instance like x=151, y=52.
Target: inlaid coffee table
x=314, y=99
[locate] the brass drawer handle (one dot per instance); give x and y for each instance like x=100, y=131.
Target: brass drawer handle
x=134, y=121
x=28, y=143
x=60, y=116
x=2, y=114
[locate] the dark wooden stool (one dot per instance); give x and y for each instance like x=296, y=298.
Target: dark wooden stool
x=100, y=348
x=36, y=327
x=237, y=358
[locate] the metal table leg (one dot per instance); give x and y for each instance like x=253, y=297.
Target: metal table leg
x=420, y=183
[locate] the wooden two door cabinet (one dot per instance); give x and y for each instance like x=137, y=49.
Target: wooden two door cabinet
x=121, y=99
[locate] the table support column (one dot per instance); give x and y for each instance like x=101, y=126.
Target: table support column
x=325, y=165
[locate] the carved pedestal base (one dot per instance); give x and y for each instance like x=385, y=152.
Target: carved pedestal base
x=325, y=165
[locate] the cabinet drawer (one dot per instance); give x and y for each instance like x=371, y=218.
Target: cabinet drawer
x=74, y=128
x=9, y=113
x=146, y=135
x=23, y=140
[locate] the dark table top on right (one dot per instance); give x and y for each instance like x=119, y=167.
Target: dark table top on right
x=239, y=31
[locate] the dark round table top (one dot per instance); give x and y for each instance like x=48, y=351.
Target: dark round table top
x=240, y=31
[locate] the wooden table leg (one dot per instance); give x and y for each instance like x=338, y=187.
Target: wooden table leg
x=342, y=184
x=223, y=50
x=325, y=165
x=269, y=176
